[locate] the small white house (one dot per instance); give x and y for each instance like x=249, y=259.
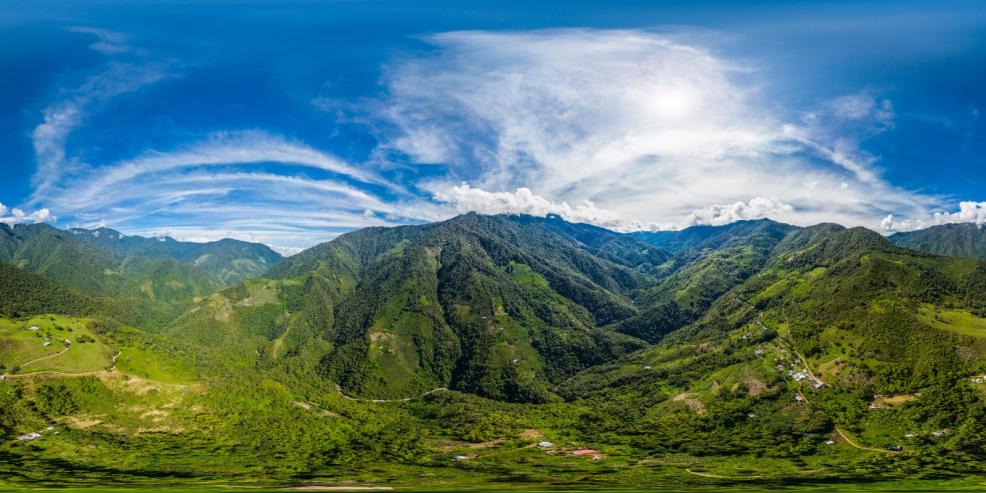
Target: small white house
x=29, y=436
x=545, y=444
x=47, y=343
x=798, y=397
x=34, y=328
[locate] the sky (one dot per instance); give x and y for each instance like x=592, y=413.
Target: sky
x=292, y=122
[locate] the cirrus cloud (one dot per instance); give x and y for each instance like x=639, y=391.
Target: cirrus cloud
x=646, y=126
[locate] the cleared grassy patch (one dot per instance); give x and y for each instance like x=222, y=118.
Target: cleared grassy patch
x=958, y=321
x=60, y=344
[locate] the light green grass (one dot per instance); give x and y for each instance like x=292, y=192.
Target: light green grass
x=152, y=366
x=958, y=321
x=23, y=348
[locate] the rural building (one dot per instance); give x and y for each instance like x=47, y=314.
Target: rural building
x=585, y=451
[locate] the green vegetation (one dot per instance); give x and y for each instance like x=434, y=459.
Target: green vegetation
x=231, y=261
x=485, y=351
x=954, y=240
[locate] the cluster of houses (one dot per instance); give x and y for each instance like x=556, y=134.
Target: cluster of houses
x=978, y=379
x=35, y=435
x=803, y=375
x=592, y=454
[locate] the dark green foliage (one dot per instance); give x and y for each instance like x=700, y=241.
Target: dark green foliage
x=954, y=240
x=700, y=274
x=500, y=306
x=516, y=315
x=230, y=260
x=23, y=293
x=140, y=290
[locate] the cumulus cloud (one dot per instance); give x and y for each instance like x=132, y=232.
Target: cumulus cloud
x=756, y=208
x=647, y=126
x=522, y=201
x=969, y=212
x=890, y=224
x=17, y=216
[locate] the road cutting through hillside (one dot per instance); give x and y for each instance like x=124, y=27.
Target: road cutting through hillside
x=112, y=368
x=35, y=360
x=381, y=401
x=807, y=367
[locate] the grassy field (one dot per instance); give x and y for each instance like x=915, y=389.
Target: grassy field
x=71, y=346
x=958, y=321
x=149, y=365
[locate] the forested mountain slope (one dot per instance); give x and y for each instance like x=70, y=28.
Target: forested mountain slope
x=499, y=306
x=842, y=334
x=153, y=291
x=230, y=260
x=697, y=275
x=495, y=347
x=954, y=240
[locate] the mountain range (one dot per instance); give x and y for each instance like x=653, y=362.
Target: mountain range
x=496, y=348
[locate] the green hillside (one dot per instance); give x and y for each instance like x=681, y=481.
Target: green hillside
x=697, y=276
x=143, y=290
x=23, y=293
x=230, y=260
x=954, y=240
x=499, y=306
x=514, y=351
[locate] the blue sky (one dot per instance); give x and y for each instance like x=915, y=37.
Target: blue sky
x=292, y=122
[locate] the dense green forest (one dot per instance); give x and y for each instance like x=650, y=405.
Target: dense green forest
x=510, y=351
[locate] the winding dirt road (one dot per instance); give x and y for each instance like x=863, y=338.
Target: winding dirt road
x=111, y=369
x=807, y=367
x=379, y=401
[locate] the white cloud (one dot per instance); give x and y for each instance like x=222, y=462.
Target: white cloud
x=198, y=192
x=862, y=106
x=646, y=127
x=64, y=115
x=521, y=201
x=969, y=212
x=891, y=225
x=107, y=42
x=17, y=216
x=756, y=208
x=103, y=184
